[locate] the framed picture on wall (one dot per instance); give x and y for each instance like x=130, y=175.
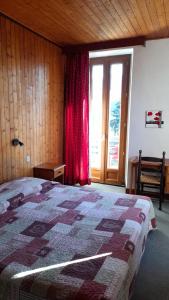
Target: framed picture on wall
x=153, y=119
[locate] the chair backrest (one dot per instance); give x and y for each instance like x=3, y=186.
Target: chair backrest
x=157, y=166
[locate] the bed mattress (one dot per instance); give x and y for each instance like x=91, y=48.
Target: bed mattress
x=62, y=242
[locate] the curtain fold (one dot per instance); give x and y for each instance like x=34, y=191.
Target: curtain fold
x=77, y=118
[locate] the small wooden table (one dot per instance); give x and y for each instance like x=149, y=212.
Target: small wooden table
x=50, y=171
x=134, y=163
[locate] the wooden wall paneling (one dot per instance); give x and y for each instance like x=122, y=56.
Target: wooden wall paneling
x=1, y=97
x=31, y=99
x=14, y=95
x=22, y=115
x=44, y=123
x=19, y=99
x=33, y=121
x=37, y=100
x=31, y=85
x=42, y=108
x=12, y=100
x=8, y=128
x=46, y=117
x=8, y=107
x=39, y=103
x=30, y=114
x=59, y=108
x=16, y=98
x=41, y=100
x=49, y=106
x=15, y=101
x=25, y=100
x=9, y=104
x=17, y=108
x=55, y=100
x=51, y=71
x=4, y=105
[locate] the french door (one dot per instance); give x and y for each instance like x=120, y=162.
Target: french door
x=109, y=81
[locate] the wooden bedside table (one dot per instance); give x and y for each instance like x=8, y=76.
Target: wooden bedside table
x=49, y=171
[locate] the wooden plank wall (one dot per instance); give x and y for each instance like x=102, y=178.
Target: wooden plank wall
x=31, y=100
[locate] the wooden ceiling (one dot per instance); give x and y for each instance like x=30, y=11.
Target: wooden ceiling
x=87, y=21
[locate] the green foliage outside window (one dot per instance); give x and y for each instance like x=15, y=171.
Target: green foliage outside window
x=115, y=117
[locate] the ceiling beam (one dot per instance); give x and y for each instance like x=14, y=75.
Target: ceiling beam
x=111, y=44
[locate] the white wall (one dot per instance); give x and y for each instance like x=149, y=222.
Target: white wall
x=149, y=90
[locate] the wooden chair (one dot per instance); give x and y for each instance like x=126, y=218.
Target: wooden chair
x=150, y=174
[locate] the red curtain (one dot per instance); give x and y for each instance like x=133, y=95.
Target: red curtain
x=77, y=118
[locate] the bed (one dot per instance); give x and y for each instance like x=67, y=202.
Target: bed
x=63, y=242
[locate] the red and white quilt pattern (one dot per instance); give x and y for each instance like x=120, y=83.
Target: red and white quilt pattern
x=46, y=224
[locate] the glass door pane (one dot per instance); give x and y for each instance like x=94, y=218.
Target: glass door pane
x=116, y=71
x=96, y=116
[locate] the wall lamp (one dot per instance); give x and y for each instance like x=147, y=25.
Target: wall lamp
x=16, y=142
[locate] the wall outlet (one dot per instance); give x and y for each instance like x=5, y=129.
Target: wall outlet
x=28, y=159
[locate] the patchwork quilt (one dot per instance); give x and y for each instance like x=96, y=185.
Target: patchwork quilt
x=62, y=242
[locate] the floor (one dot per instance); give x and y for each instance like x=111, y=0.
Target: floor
x=152, y=282
x=108, y=187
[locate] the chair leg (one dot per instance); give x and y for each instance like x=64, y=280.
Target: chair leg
x=138, y=189
x=161, y=198
x=160, y=204
x=163, y=194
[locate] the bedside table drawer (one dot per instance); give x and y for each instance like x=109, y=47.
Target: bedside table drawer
x=58, y=172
